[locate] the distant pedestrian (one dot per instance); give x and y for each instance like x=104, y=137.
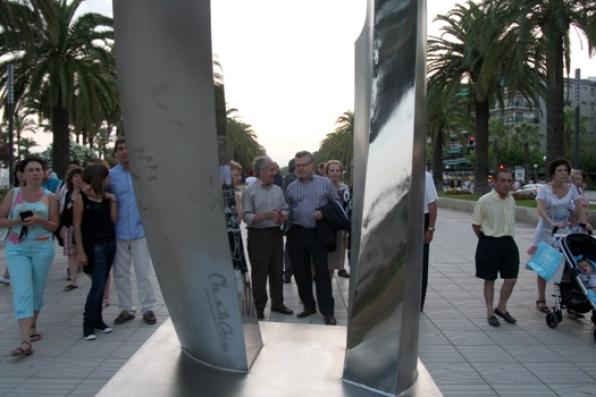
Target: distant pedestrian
x=31, y=213
x=493, y=222
x=288, y=271
x=265, y=211
x=337, y=259
x=279, y=179
x=430, y=219
x=304, y=196
x=131, y=246
x=73, y=187
x=94, y=215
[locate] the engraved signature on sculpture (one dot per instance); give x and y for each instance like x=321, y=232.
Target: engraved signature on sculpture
x=219, y=313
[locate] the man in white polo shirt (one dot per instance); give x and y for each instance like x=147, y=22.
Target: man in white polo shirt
x=493, y=222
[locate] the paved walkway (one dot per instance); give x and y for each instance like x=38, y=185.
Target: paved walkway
x=463, y=353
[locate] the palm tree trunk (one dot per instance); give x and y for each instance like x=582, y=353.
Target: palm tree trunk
x=481, y=161
x=555, y=125
x=61, y=141
x=438, y=158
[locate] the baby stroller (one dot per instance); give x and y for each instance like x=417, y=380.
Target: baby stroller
x=570, y=292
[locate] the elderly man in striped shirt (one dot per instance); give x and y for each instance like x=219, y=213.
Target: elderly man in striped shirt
x=304, y=195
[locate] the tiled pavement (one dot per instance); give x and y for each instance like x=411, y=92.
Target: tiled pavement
x=465, y=356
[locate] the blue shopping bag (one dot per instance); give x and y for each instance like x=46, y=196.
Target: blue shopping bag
x=546, y=261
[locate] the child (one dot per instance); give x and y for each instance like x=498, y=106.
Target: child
x=587, y=274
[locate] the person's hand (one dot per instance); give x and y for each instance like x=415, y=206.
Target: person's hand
x=532, y=250
x=283, y=217
x=273, y=215
x=111, y=197
x=588, y=227
x=317, y=215
x=82, y=258
x=428, y=236
x=560, y=225
x=32, y=220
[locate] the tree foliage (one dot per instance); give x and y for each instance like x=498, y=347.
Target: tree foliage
x=64, y=65
x=480, y=46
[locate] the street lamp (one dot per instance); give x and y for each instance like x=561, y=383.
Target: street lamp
x=10, y=113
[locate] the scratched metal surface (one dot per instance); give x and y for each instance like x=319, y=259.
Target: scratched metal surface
x=382, y=341
x=165, y=77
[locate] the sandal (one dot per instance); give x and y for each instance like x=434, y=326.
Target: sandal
x=20, y=352
x=541, y=307
x=105, y=303
x=34, y=337
x=70, y=287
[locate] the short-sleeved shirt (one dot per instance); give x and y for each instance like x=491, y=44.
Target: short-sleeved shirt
x=257, y=198
x=495, y=215
x=430, y=192
x=559, y=209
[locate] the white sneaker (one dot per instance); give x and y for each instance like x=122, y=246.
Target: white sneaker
x=90, y=337
x=106, y=330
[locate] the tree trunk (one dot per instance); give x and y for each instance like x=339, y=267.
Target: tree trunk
x=481, y=161
x=61, y=141
x=555, y=125
x=526, y=162
x=438, y=158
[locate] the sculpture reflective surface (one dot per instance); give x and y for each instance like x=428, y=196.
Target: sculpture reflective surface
x=381, y=350
x=165, y=77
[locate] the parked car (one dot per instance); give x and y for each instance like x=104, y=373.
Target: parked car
x=527, y=192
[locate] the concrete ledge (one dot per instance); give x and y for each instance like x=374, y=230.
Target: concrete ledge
x=525, y=215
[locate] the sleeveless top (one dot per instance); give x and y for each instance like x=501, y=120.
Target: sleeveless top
x=40, y=208
x=97, y=226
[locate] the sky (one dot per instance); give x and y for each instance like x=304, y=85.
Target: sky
x=288, y=65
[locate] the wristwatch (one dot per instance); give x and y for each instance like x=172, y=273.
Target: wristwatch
x=431, y=228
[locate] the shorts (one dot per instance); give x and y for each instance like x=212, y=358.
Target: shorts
x=496, y=255
x=67, y=234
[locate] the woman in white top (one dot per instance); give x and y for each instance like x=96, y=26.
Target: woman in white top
x=557, y=202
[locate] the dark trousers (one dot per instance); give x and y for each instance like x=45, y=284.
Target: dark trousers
x=266, y=251
x=103, y=257
x=287, y=262
x=304, y=247
x=425, y=253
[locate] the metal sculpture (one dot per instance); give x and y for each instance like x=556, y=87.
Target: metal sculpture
x=166, y=85
x=382, y=345
x=163, y=51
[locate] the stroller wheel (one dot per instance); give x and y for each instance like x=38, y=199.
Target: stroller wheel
x=551, y=320
x=559, y=315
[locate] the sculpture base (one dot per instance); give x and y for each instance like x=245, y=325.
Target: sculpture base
x=296, y=360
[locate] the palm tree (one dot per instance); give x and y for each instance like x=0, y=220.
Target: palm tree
x=552, y=19
x=498, y=137
x=528, y=136
x=242, y=140
x=446, y=112
x=339, y=144
x=59, y=61
x=480, y=47
x=23, y=122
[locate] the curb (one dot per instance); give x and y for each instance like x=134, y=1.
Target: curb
x=529, y=216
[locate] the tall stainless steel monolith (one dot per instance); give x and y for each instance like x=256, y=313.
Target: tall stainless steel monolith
x=382, y=346
x=165, y=76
